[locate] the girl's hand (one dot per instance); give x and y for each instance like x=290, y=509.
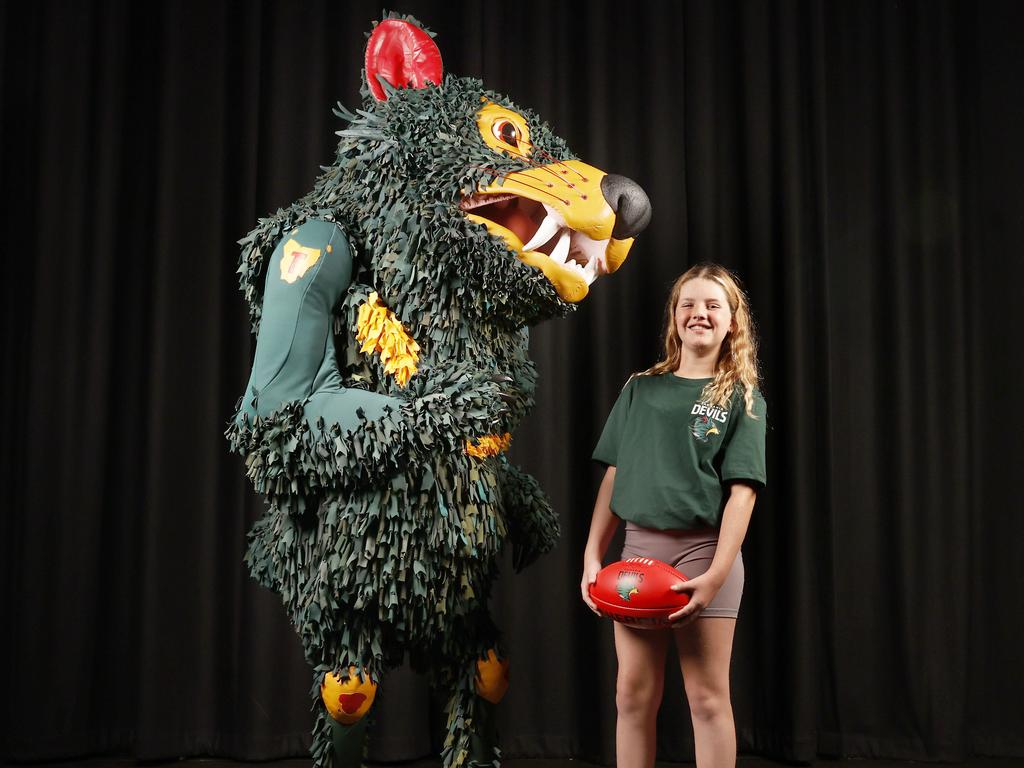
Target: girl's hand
x=591, y=567
x=702, y=590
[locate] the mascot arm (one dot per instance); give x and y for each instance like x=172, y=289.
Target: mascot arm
x=308, y=271
x=294, y=402
x=366, y=437
x=300, y=429
x=533, y=525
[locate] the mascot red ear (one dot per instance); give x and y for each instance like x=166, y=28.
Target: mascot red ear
x=404, y=55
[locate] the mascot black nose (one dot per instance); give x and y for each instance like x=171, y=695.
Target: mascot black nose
x=630, y=203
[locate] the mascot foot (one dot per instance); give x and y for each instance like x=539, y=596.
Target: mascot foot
x=348, y=741
x=347, y=701
x=491, y=685
x=483, y=743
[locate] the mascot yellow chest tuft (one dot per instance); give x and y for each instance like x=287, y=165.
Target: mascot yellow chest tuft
x=380, y=332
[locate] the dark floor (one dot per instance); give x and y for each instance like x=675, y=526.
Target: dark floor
x=744, y=762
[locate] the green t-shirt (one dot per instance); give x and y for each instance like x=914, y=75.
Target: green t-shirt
x=674, y=454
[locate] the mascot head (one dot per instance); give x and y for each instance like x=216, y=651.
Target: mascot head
x=461, y=205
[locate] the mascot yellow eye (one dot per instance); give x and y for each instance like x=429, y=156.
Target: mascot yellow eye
x=503, y=130
x=506, y=131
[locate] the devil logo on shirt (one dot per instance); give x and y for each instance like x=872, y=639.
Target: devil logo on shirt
x=708, y=417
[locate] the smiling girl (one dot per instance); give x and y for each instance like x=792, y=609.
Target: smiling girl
x=684, y=450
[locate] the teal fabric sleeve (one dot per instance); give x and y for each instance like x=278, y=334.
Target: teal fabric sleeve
x=308, y=271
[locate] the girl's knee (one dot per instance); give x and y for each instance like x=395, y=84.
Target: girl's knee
x=708, y=704
x=637, y=696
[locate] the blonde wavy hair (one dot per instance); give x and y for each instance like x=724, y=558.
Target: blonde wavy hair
x=737, y=359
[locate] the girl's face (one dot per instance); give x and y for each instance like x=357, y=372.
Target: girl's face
x=703, y=316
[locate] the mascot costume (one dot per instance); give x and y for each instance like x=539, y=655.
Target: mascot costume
x=391, y=307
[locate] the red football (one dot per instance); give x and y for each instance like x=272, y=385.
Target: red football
x=636, y=592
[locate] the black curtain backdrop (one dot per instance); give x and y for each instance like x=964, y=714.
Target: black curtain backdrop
x=860, y=164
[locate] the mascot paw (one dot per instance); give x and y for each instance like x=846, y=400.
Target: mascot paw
x=529, y=544
x=478, y=402
x=533, y=526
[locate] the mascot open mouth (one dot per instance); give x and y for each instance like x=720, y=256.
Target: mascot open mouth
x=532, y=227
x=555, y=218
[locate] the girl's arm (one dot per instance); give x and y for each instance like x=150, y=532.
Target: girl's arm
x=602, y=529
x=735, y=519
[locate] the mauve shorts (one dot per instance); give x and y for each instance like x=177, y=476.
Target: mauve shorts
x=690, y=552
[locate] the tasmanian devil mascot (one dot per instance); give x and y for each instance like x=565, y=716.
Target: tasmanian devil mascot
x=391, y=307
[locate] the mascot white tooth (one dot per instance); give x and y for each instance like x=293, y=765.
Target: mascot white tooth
x=391, y=305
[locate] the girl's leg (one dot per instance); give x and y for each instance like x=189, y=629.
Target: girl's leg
x=641, y=679
x=705, y=649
